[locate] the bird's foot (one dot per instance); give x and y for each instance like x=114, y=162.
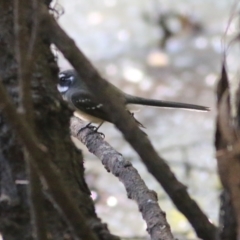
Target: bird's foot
x=93, y=128
x=87, y=126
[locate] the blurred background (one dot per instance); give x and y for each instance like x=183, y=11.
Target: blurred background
x=162, y=49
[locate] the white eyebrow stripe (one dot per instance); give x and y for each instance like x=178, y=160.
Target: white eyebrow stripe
x=61, y=75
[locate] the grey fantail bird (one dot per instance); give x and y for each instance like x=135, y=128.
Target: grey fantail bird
x=80, y=98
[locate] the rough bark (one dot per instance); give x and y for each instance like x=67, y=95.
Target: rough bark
x=146, y=199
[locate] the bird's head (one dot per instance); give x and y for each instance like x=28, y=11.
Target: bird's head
x=69, y=79
x=66, y=80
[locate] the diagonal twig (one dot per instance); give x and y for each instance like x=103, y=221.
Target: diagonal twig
x=155, y=218
x=115, y=108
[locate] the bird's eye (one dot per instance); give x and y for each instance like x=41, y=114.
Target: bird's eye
x=65, y=80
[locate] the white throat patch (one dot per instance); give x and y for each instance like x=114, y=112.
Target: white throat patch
x=62, y=89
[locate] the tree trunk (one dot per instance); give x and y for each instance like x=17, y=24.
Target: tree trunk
x=51, y=119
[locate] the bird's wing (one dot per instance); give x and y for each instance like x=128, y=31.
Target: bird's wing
x=88, y=108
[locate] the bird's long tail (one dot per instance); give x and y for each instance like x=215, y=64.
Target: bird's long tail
x=164, y=104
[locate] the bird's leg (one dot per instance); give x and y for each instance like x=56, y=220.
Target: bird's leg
x=96, y=130
x=99, y=126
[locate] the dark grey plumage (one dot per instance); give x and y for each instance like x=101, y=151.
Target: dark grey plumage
x=80, y=98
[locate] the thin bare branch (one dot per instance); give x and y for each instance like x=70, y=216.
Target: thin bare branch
x=36, y=201
x=34, y=33
x=25, y=65
x=115, y=108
